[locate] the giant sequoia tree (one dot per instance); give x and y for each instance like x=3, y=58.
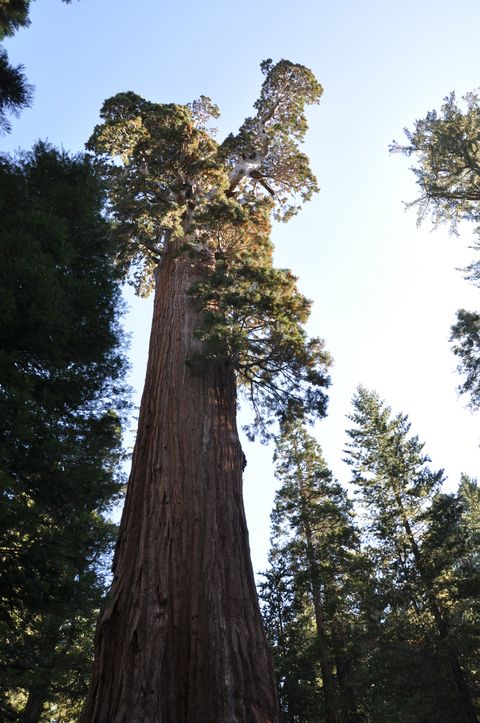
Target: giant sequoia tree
x=181, y=638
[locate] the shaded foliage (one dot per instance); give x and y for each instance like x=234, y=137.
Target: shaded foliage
x=465, y=335
x=15, y=92
x=14, y=15
x=310, y=600
x=62, y=400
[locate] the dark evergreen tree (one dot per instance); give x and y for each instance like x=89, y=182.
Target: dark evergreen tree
x=181, y=638
x=466, y=347
x=61, y=402
x=15, y=92
x=14, y=15
x=420, y=675
x=310, y=600
x=452, y=546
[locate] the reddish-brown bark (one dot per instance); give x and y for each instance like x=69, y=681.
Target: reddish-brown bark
x=181, y=639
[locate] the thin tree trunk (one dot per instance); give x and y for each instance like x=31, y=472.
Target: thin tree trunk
x=345, y=665
x=34, y=707
x=331, y=712
x=181, y=639
x=442, y=622
x=326, y=664
x=38, y=693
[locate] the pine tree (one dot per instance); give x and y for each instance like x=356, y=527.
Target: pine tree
x=61, y=402
x=16, y=93
x=14, y=15
x=309, y=587
x=181, y=637
x=397, y=487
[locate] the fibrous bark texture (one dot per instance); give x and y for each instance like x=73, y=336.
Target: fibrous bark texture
x=181, y=638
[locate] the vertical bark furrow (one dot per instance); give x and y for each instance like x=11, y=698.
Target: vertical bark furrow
x=181, y=640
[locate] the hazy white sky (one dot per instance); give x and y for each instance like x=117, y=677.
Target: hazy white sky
x=385, y=293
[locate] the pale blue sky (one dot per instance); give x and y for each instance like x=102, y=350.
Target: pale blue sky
x=384, y=292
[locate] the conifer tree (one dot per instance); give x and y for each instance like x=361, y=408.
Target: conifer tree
x=61, y=402
x=309, y=588
x=15, y=92
x=397, y=487
x=14, y=15
x=181, y=637
x=446, y=147
x=452, y=546
x=465, y=335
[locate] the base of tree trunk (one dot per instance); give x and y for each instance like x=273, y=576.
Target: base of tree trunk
x=181, y=639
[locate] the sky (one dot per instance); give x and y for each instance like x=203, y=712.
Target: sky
x=384, y=291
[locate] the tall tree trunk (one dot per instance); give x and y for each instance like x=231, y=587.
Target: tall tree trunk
x=181, y=639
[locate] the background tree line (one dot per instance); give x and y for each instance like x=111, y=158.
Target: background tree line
x=371, y=605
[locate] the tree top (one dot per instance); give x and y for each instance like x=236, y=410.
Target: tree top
x=170, y=177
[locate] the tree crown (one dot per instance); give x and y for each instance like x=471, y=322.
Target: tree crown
x=171, y=177
x=174, y=188
x=446, y=145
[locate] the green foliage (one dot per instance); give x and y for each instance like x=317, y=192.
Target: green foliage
x=408, y=524
x=61, y=405
x=389, y=468
x=466, y=337
x=310, y=602
x=174, y=189
x=446, y=146
x=452, y=545
x=254, y=316
x=447, y=149
x=14, y=15
x=273, y=135
x=392, y=608
x=172, y=172
x=165, y=159
x=15, y=93
x=288, y=620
